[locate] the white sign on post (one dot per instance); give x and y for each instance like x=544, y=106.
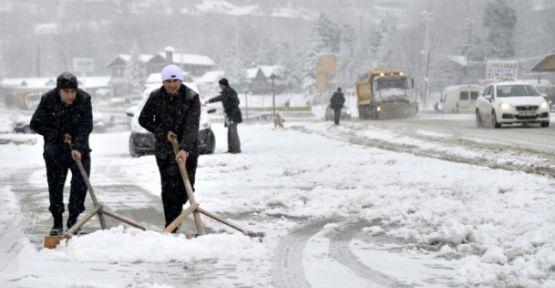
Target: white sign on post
x=83, y=65
x=501, y=70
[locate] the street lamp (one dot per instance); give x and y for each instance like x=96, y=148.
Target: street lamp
x=273, y=77
x=246, y=106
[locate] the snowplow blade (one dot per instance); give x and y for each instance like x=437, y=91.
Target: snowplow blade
x=397, y=110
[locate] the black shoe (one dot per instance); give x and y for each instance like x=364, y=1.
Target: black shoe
x=58, y=228
x=57, y=231
x=71, y=220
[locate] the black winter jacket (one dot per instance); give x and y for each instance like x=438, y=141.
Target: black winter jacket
x=230, y=101
x=337, y=100
x=179, y=113
x=53, y=119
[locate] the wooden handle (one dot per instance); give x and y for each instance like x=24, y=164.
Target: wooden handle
x=188, y=188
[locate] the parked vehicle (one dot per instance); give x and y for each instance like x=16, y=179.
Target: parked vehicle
x=512, y=102
x=22, y=123
x=141, y=142
x=460, y=99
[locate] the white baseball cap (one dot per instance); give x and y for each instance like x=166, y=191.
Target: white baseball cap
x=172, y=72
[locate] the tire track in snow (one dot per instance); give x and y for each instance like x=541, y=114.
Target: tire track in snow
x=538, y=167
x=341, y=252
x=288, y=270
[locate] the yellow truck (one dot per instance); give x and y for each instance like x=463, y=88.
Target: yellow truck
x=383, y=94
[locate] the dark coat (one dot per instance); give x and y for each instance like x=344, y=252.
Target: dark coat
x=337, y=100
x=53, y=119
x=179, y=113
x=230, y=101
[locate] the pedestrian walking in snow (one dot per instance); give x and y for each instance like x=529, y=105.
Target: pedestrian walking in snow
x=65, y=114
x=336, y=103
x=232, y=114
x=171, y=111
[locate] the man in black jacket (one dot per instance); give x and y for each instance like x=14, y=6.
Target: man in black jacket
x=232, y=114
x=336, y=103
x=171, y=111
x=65, y=114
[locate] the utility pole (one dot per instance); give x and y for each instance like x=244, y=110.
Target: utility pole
x=468, y=27
x=427, y=17
x=273, y=95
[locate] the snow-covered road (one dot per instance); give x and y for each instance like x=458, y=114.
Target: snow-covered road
x=338, y=211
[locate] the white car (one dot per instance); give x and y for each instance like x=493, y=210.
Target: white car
x=511, y=102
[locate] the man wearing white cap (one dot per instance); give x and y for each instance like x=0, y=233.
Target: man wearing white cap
x=173, y=110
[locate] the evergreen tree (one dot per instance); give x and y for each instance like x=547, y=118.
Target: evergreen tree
x=267, y=54
x=376, y=38
x=347, y=60
x=291, y=72
x=329, y=34
x=500, y=20
x=134, y=74
x=231, y=62
x=308, y=62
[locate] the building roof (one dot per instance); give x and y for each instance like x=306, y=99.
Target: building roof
x=226, y=8
x=178, y=58
x=267, y=70
x=191, y=59
x=210, y=76
x=50, y=82
x=547, y=64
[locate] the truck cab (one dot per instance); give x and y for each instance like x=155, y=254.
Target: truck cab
x=384, y=94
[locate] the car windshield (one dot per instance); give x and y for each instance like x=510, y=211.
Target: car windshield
x=386, y=83
x=516, y=91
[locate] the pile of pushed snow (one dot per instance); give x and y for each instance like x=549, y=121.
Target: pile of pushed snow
x=121, y=244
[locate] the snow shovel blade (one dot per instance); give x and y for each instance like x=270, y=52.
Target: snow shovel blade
x=259, y=235
x=51, y=241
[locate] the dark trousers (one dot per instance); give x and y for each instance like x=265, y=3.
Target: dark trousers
x=173, y=189
x=337, y=115
x=58, y=161
x=233, y=141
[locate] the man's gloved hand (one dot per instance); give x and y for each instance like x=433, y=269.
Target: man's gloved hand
x=76, y=155
x=67, y=138
x=171, y=136
x=181, y=156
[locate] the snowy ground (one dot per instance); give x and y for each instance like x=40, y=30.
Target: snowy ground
x=337, y=209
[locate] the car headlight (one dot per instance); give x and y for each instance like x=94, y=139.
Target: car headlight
x=506, y=106
x=544, y=106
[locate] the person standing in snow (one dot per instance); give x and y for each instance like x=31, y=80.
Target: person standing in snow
x=65, y=114
x=232, y=114
x=336, y=103
x=173, y=111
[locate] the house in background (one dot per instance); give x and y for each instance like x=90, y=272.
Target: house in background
x=25, y=93
x=260, y=82
x=193, y=65
x=208, y=83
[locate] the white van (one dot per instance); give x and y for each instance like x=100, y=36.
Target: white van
x=460, y=98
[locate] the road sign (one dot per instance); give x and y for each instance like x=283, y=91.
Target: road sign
x=501, y=70
x=84, y=65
